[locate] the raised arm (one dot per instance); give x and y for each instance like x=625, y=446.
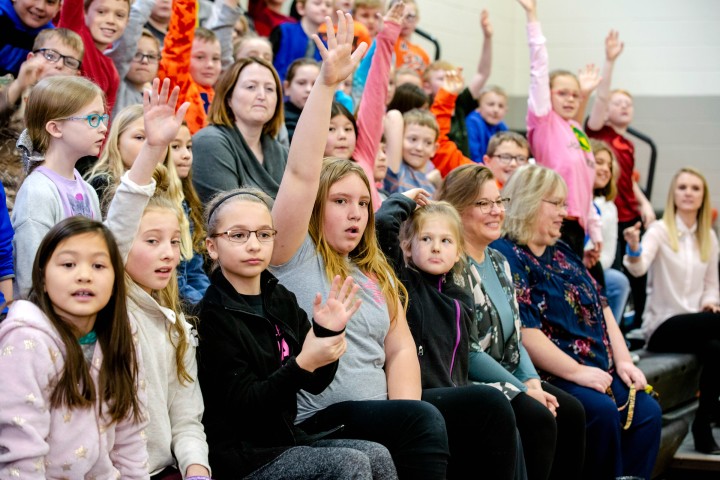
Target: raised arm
x=589, y=78
x=477, y=82
x=394, y=128
x=124, y=49
x=539, y=93
x=222, y=20
x=298, y=189
x=176, y=53
x=613, y=49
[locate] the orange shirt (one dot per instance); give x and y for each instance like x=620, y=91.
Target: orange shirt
x=361, y=34
x=410, y=55
x=448, y=155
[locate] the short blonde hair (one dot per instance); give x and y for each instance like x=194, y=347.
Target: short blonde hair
x=526, y=189
x=421, y=117
x=69, y=38
x=435, y=66
x=414, y=224
x=496, y=89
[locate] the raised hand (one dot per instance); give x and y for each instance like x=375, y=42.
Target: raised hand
x=395, y=14
x=487, y=27
x=419, y=195
x=530, y=7
x=162, y=121
x=589, y=78
x=338, y=59
x=341, y=304
x=453, y=81
x=632, y=237
x=613, y=46
x=318, y=352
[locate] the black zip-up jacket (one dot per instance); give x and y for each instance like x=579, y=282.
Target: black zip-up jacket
x=439, y=311
x=249, y=395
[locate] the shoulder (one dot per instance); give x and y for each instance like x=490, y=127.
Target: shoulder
x=27, y=326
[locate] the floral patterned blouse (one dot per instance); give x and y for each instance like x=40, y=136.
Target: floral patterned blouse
x=556, y=294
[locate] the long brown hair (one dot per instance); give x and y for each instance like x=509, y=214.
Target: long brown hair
x=118, y=381
x=367, y=256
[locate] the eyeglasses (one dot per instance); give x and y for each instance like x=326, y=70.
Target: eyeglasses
x=93, y=119
x=241, y=235
x=486, y=206
x=411, y=18
x=150, y=57
x=559, y=204
x=566, y=94
x=54, y=56
x=506, y=158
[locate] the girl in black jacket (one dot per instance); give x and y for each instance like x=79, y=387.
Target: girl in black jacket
x=257, y=351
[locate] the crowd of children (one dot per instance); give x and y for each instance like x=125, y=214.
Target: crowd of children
x=247, y=244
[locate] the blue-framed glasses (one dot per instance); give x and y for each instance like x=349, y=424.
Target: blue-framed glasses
x=93, y=119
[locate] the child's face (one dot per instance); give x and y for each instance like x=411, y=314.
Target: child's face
x=107, y=20
x=143, y=71
x=500, y=163
x=492, y=108
x=155, y=252
x=603, y=169
x=255, y=47
x=436, y=79
x=368, y=17
x=620, y=110
x=243, y=263
x=181, y=152
x=419, y=145
x=78, y=137
x=380, y=168
x=298, y=90
x=36, y=13
x=314, y=11
x=162, y=11
x=341, y=138
x=254, y=97
x=410, y=21
x=346, y=6
x=205, y=62
x=483, y=228
x=46, y=68
x=434, y=249
x=131, y=141
x=565, y=96
x=79, y=279
x=346, y=214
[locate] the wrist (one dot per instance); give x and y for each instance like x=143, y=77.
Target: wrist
x=631, y=252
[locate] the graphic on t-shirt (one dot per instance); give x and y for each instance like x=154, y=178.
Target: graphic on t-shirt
x=581, y=138
x=79, y=205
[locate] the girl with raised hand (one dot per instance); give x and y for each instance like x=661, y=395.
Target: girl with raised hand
x=257, y=351
x=65, y=120
x=425, y=245
x=325, y=222
x=71, y=403
x=680, y=255
x=147, y=228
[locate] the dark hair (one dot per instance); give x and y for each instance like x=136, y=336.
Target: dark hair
x=408, y=96
x=300, y=62
x=118, y=381
x=340, y=109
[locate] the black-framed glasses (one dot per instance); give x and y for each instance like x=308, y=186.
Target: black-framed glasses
x=559, y=204
x=242, y=235
x=506, y=158
x=150, y=57
x=54, y=56
x=93, y=119
x=486, y=206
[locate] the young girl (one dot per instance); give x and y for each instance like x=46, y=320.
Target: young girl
x=424, y=245
x=251, y=371
x=359, y=140
x=65, y=120
x=192, y=279
x=70, y=405
x=617, y=286
x=300, y=77
x=149, y=237
x=680, y=255
x=324, y=217
x=557, y=139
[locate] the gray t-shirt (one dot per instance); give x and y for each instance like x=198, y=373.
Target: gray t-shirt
x=360, y=374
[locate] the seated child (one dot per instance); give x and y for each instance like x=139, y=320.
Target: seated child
x=369, y=13
x=506, y=152
x=137, y=68
x=298, y=82
x=412, y=140
x=253, y=46
x=408, y=54
x=20, y=23
x=486, y=120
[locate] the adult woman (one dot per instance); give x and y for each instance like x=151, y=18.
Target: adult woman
x=496, y=352
x=238, y=148
x=680, y=253
x=570, y=332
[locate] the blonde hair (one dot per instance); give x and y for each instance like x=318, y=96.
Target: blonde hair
x=562, y=73
x=367, y=256
x=414, y=224
x=424, y=118
x=507, y=136
x=497, y=90
x=54, y=98
x=609, y=191
x=526, y=189
x=435, y=66
x=368, y=4
x=69, y=38
x=704, y=215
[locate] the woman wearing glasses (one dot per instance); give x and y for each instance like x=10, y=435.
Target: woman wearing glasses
x=570, y=332
x=66, y=120
x=545, y=415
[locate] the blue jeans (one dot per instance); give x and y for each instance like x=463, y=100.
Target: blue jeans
x=617, y=289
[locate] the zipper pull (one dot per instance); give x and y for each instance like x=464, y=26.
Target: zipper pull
x=421, y=352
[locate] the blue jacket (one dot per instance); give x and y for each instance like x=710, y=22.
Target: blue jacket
x=290, y=42
x=192, y=279
x=16, y=39
x=6, y=238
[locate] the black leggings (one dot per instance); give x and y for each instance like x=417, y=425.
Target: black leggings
x=697, y=333
x=412, y=430
x=481, y=431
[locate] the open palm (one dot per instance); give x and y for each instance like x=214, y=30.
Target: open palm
x=162, y=121
x=338, y=58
